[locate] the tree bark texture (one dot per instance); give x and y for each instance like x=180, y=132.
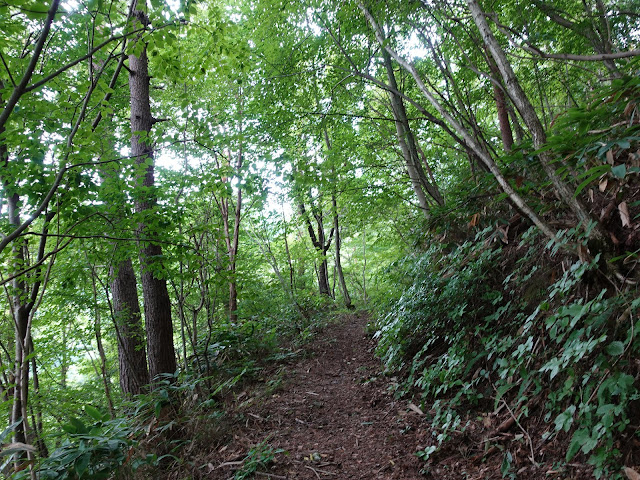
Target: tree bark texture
x=157, y=305
x=501, y=106
x=132, y=356
x=528, y=113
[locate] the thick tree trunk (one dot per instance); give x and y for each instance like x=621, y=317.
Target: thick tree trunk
x=132, y=357
x=157, y=305
x=323, y=277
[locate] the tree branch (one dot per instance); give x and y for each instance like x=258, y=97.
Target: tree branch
x=19, y=89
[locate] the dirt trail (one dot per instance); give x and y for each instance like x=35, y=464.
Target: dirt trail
x=333, y=417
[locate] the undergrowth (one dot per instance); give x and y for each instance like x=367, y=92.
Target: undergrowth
x=545, y=340
x=165, y=429
x=540, y=334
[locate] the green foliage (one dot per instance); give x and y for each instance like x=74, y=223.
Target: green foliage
x=442, y=299
x=92, y=450
x=258, y=458
x=469, y=338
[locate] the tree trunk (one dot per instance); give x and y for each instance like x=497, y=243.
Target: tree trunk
x=157, y=305
x=336, y=227
x=132, y=357
x=529, y=115
x=364, y=265
x=466, y=137
x=98, y=335
x=321, y=244
x=408, y=146
x=20, y=312
x=501, y=106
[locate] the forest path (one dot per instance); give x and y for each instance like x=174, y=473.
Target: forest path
x=333, y=417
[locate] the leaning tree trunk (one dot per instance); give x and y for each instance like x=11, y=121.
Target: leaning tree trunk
x=157, y=306
x=530, y=117
x=408, y=146
x=466, y=138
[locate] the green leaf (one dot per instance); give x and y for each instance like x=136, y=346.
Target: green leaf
x=619, y=171
x=93, y=413
x=580, y=437
x=5, y=433
x=36, y=10
x=79, y=426
x=615, y=349
x=591, y=174
x=82, y=464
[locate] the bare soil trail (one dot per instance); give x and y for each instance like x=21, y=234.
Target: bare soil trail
x=332, y=418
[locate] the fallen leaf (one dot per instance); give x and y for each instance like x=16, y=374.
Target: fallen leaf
x=629, y=108
x=631, y=473
x=415, y=408
x=603, y=184
x=503, y=234
x=609, y=157
x=474, y=220
x=624, y=214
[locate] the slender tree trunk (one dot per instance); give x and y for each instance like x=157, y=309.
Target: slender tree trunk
x=338, y=240
x=43, y=451
x=98, y=335
x=529, y=115
x=20, y=312
x=501, y=106
x=364, y=265
x=157, y=305
x=466, y=137
x=232, y=243
x=292, y=283
x=408, y=145
x=336, y=229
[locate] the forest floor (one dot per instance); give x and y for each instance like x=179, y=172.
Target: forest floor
x=331, y=415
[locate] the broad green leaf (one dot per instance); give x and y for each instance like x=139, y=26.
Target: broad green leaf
x=619, y=171
x=93, y=413
x=615, y=349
